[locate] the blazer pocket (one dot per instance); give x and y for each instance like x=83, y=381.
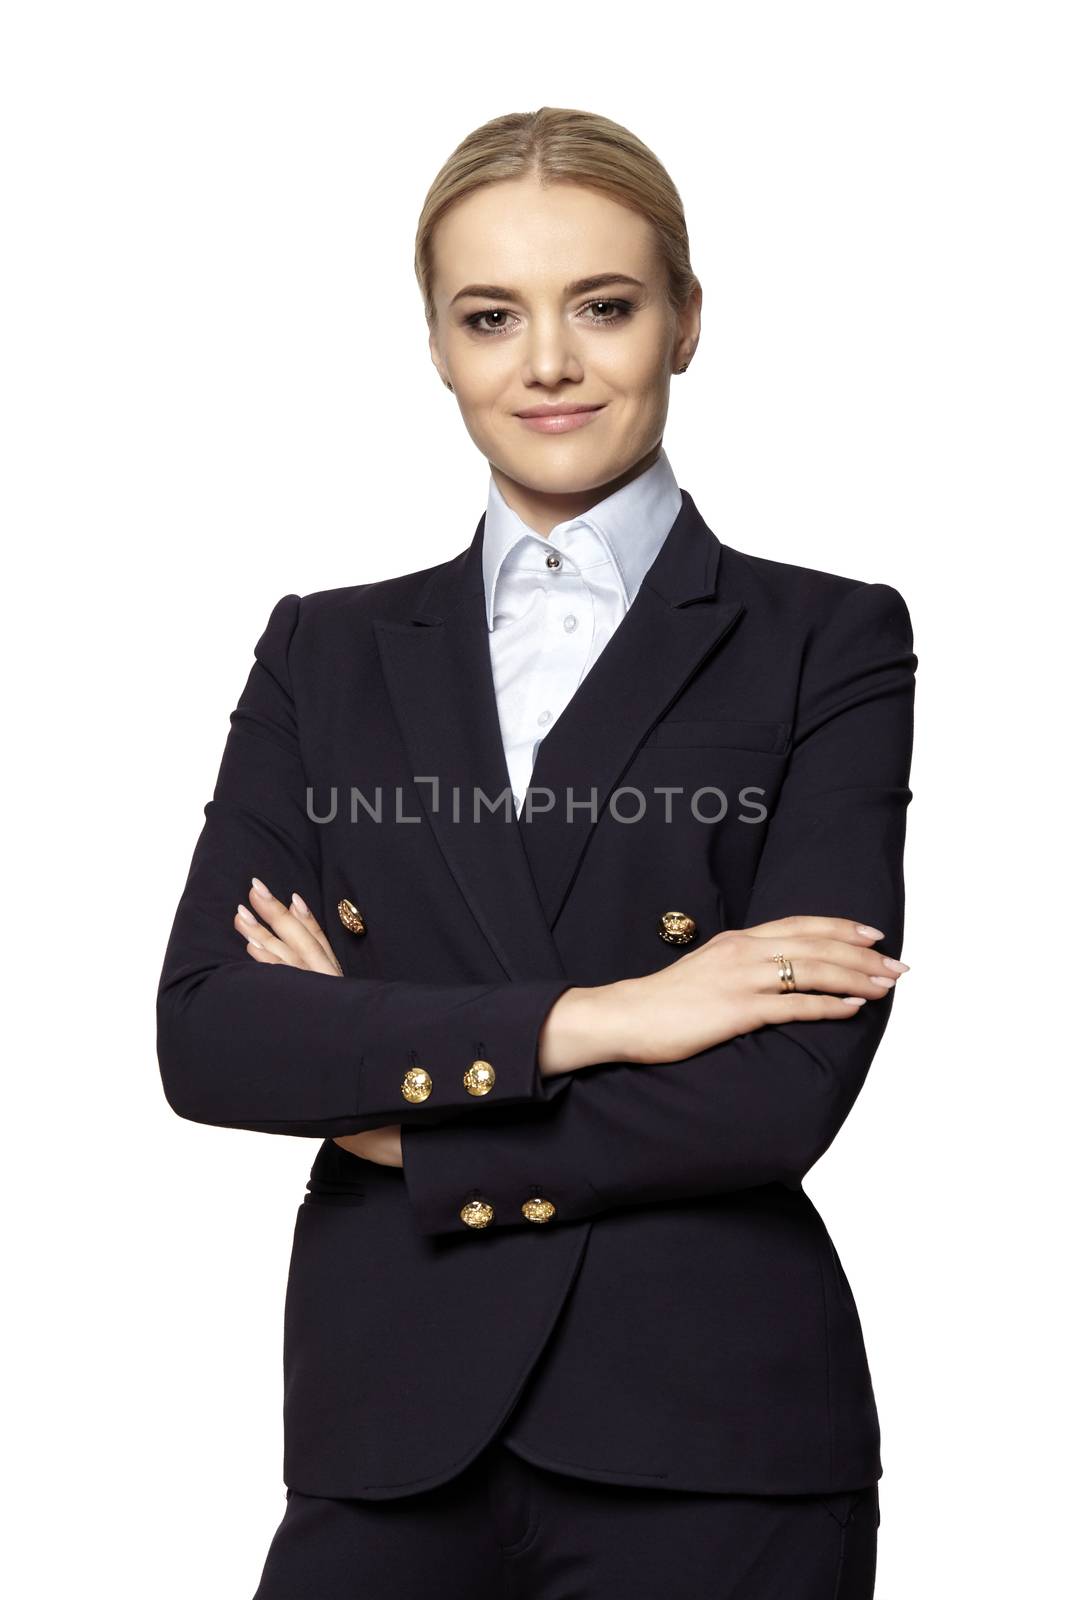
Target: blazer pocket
x=769, y=736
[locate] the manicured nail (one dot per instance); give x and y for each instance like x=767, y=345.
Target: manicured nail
x=299, y=905
x=256, y=884
x=246, y=916
x=854, y=1000
x=895, y=966
x=883, y=983
x=867, y=932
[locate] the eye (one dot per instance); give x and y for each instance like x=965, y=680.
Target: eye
x=621, y=309
x=472, y=322
x=617, y=311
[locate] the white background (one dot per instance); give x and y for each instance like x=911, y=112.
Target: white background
x=215, y=386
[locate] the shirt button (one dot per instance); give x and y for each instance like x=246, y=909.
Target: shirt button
x=544, y=717
x=552, y=561
x=570, y=623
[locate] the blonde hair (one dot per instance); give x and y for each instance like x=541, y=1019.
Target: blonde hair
x=557, y=145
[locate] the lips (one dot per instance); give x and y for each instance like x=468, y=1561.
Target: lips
x=554, y=411
x=558, y=419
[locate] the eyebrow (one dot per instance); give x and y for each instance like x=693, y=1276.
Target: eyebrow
x=493, y=291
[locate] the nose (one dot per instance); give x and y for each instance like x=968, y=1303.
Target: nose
x=550, y=355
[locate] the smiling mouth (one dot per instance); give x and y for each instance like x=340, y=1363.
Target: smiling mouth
x=558, y=419
x=561, y=410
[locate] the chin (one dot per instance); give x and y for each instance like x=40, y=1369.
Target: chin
x=561, y=468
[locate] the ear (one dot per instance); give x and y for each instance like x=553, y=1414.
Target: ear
x=688, y=326
x=438, y=359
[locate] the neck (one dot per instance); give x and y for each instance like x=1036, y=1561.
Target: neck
x=542, y=512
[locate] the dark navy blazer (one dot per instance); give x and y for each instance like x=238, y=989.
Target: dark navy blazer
x=682, y=1319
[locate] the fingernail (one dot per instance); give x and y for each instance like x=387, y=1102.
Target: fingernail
x=246, y=916
x=256, y=884
x=854, y=1000
x=895, y=966
x=257, y=943
x=867, y=932
x=883, y=983
x=299, y=905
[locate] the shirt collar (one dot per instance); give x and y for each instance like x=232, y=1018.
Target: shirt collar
x=632, y=524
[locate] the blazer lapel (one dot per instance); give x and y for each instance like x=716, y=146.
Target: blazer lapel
x=515, y=872
x=675, y=622
x=438, y=671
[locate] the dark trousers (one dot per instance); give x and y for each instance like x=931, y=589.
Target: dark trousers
x=506, y=1530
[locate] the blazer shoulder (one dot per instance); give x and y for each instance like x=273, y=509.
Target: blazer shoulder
x=809, y=594
x=324, y=610
x=312, y=631
x=383, y=597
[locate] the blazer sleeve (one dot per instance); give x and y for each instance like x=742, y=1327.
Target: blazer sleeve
x=764, y=1106
x=280, y=1049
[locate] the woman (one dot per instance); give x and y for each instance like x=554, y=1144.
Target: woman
x=560, y=1314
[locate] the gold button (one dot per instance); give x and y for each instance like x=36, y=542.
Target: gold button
x=479, y=1077
x=351, y=916
x=537, y=1210
x=417, y=1085
x=477, y=1213
x=676, y=927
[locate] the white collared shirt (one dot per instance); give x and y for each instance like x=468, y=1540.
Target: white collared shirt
x=553, y=602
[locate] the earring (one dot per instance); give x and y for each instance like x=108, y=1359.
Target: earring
x=447, y=385
x=683, y=368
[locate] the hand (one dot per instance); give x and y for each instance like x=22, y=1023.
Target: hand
x=295, y=939
x=292, y=937
x=375, y=1144
x=729, y=986
x=726, y=987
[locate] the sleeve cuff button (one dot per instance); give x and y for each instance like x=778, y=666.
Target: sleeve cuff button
x=417, y=1085
x=479, y=1077
x=477, y=1213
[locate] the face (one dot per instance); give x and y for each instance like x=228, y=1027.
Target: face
x=556, y=296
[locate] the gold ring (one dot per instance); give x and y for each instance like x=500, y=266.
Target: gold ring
x=784, y=973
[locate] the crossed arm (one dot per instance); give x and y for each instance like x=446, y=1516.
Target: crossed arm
x=283, y=1049
x=764, y=1105
x=756, y=1099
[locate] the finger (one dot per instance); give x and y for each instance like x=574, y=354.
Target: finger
x=805, y=951
x=265, y=957
x=286, y=925
x=354, y=1143
x=301, y=909
x=809, y=1007
x=293, y=943
x=798, y=927
x=260, y=938
x=872, y=962
x=829, y=976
